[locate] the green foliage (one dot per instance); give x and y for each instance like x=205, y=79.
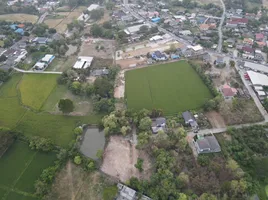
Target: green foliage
x=207, y=196
x=109, y=193
x=203, y=160
x=77, y=160
x=91, y=166
x=6, y=139
x=99, y=154
x=103, y=105
x=4, y=76
x=66, y=105
x=96, y=14
x=40, y=30
x=78, y=130
x=42, y=144
x=145, y=124
x=103, y=87
x=139, y=164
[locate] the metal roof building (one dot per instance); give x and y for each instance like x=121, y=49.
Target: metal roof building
x=258, y=79
x=83, y=62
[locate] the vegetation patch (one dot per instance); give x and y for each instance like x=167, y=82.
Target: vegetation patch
x=35, y=89
x=20, y=167
x=173, y=87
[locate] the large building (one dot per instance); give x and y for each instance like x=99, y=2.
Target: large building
x=257, y=79
x=134, y=29
x=44, y=62
x=83, y=62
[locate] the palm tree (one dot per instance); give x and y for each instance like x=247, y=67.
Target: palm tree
x=232, y=63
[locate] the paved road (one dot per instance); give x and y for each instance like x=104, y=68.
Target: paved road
x=220, y=27
x=35, y=72
x=42, y=18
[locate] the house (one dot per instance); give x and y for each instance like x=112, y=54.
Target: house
x=261, y=44
x=204, y=27
x=13, y=26
x=156, y=19
x=99, y=72
x=230, y=42
x=93, y=7
x=134, y=29
x=57, y=37
x=159, y=124
x=228, y=92
x=48, y=58
x=185, y=32
x=20, y=31
x=247, y=50
x=240, y=21
x=83, y=62
x=248, y=41
x=206, y=144
x=156, y=38
x=259, y=36
x=21, y=26
x=44, y=62
x=219, y=61
x=127, y=193
x=189, y=119
x=40, y=40
x=231, y=24
x=158, y=56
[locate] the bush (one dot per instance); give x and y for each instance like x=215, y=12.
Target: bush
x=43, y=144
x=77, y=160
x=139, y=164
x=203, y=160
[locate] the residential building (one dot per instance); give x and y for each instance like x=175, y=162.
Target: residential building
x=159, y=56
x=247, y=50
x=228, y=92
x=99, y=72
x=44, y=62
x=134, y=29
x=248, y=41
x=40, y=40
x=189, y=119
x=127, y=193
x=259, y=36
x=83, y=62
x=206, y=144
x=156, y=38
x=93, y=7
x=159, y=124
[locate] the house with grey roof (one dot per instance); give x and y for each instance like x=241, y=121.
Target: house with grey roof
x=99, y=72
x=206, y=144
x=190, y=120
x=127, y=193
x=159, y=124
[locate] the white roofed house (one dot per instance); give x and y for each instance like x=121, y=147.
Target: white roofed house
x=83, y=62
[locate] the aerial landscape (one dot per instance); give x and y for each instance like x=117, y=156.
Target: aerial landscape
x=133, y=100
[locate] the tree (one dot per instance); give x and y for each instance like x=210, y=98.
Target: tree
x=206, y=196
x=78, y=130
x=3, y=58
x=99, y=154
x=183, y=179
x=265, y=102
x=182, y=196
x=96, y=14
x=4, y=76
x=145, y=124
x=91, y=166
x=77, y=160
x=139, y=164
x=107, y=25
x=103, y=105
x=52, y=31
x=144, y=29
x=42, y=144
x=66, y=106
x=103, y=87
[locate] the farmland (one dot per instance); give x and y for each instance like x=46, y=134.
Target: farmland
x=13, y=115
x=35, y=88
x=19, y=18
x=20, y=167
x=172, y=87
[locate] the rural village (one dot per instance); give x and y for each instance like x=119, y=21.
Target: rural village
x=131, y=99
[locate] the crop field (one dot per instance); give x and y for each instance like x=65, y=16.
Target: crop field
x=172, y=87
x=59, y=128
x=20, y=167
x=19, y=18
x=35, y=88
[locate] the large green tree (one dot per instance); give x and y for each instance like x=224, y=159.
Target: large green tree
x=66, y=105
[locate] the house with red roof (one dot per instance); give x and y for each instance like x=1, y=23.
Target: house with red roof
x=240, y=21
x=259, y=36
x=247, y=50
x=228, y=92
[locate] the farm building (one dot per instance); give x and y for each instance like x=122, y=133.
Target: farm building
x=156, y=38
x=257, y=79
x=206, y=144
x=83, y=62
x=44, y=62
x=159, y=124
x=134, y=29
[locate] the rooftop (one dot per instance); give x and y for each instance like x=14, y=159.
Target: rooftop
x=93, y=7
x=258, y=78
x=228, y=91
x=83, y=62
x=255, y=66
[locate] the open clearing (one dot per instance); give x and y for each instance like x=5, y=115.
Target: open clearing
x=20, y=167
x=74, y=183
x=215, y=119
x=172, y=87
x=120, y=158
x=35, y=88
x=67, y=17
x=57, y=127
x=19, y=18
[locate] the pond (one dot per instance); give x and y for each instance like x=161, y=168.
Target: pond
x=93, y=140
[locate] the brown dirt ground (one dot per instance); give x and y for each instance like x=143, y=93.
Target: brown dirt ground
x=19, y=17
x=73, y=183
x=120, y=157
x=265, y=3
x=124, y=64
x=215, y=119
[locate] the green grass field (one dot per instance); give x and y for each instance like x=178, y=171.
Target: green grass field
x=266, y=190
x=35, y=89
x=173, y=87
x=20, y=167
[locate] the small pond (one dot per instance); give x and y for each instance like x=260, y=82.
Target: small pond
x=93, y=140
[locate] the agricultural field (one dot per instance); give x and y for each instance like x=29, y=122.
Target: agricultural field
x=35, y=88
x=57, y=127
x=172, y=87
x=20, y=167
x=19, y=18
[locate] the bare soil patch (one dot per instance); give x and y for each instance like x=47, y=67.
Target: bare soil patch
x=73, y=183
x=93, y=47
x=19, y=18
x=215, y=119
x=120, y=157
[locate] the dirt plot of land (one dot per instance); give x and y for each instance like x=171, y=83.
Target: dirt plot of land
x=61, y=24
x=265, y=3
x=215, y=119
x=73, y=183
x=19, y=18
x=88, y=48
x=120, y=157
x=216, y=2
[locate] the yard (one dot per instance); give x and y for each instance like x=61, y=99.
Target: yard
x=57, y=127
x=173, y=87
x=20, y=167
x=35, y=88
x=19, y=18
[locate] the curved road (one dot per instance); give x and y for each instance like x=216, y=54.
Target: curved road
x=220, y=27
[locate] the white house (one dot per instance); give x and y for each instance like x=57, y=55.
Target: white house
x=83, y=62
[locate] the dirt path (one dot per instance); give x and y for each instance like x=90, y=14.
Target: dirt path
x=70, y=178
x=215, y=119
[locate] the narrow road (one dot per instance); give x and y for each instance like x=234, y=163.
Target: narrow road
x=220, y=27
x=42, y=18
x=35, y=72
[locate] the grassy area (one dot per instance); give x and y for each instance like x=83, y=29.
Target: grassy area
x=19, y=17
x=57, y=127
x=35, y=88
x=20, y=167
x=173, y=87
x=266, y=190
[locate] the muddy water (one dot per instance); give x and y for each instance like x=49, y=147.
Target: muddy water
x=93, y=140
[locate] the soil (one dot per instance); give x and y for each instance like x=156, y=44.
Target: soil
x=215, y=119
x=119, y=159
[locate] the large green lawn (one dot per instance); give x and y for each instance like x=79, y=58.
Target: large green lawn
x=35, y=89
x=14, y=115
x=20, y=167
x=172, y=87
